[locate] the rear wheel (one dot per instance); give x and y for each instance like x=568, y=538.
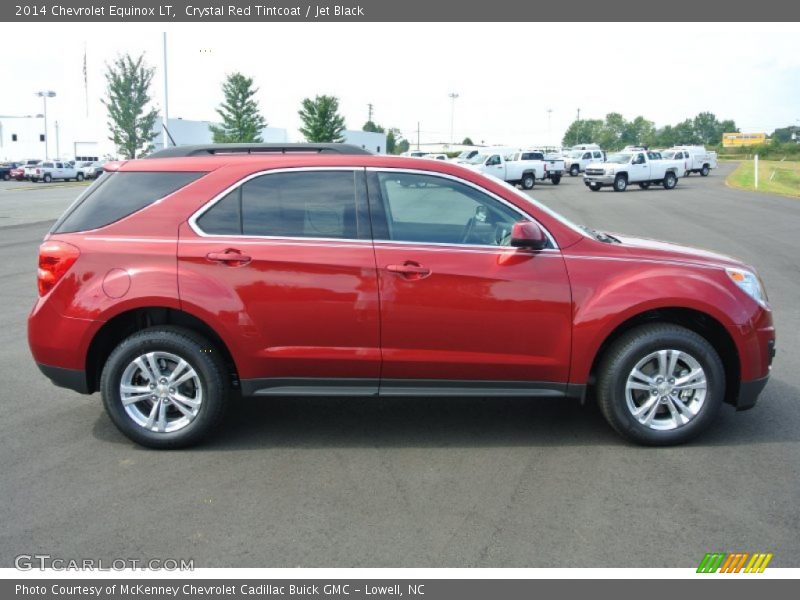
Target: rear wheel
x=79, y=177
x=528, y=181
x=574, y=170
x=705, y=171
x=670, y=181
x=47, y=178
x=660, y=384
x=620, y=183
x=6, y=176
x=165, y=387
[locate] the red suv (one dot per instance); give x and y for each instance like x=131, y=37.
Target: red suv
x=177, y=281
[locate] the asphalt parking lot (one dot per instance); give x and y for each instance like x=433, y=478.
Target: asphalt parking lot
x=394, y=482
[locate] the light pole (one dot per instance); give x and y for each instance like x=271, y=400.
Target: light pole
x=453, y=97
x=45, y=95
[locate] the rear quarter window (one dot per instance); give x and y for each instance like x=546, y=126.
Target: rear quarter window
x=119, y=194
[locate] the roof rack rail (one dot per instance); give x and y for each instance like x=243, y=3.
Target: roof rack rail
x=220, y=149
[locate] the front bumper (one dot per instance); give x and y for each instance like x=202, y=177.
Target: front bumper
x=749, y=392
x=598, y=179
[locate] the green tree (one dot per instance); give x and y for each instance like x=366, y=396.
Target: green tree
x=612, y=135
x=782, y=134
x=467, y=142
x=685, y=133
x=131, y=122
x=707, y=128
x=372, y=127
x=241, y=119
x=393, y=139
x=401, y=146
x=582, y=132
x=321, y=119
x=639, y=132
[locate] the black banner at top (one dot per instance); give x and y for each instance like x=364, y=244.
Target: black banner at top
x=609, y=12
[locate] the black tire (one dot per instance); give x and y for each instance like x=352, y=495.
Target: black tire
x=623, y=355
x=47, y=178
x=620, y=183
x=670, y=181
x=528, y=181
x=556, y=179
x=645, y=185
x=201, y=355
x=595, y=187
x=79, y=177
x=574, y=171
x=34, y=179
x=6, y=176
x=705, y=171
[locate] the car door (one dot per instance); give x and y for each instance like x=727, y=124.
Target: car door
x=461, y=310
x=639, y=168
x=283, y=265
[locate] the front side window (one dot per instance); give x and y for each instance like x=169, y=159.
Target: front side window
x=587, y=155
x=598, y=155
x=309, y=204
x=431, y=209
x=494, y=160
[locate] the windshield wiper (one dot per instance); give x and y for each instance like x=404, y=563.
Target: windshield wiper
x=600, y=236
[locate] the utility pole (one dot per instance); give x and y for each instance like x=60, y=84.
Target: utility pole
x=578, y=134
x=44, y=95
x=369, y=107
x=549, y=114
x=417, y=135
x=58, y=146
x=165, y=133
x=453, y=97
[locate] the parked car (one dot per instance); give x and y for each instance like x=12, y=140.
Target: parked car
x=91, y=169
x=18, y=172
x=6, y=168
x=517, y=172
x=465, y=156
x=51, y=170
x=553, y=164
x=176, y=282
x=415, y=153
x=621, y=169
x=576, y=161
x=436, y=156
x=696, y=159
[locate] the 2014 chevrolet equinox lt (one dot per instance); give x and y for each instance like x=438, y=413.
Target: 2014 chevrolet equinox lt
x=179, y=280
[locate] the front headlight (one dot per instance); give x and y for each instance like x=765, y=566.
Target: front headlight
x=749, y=283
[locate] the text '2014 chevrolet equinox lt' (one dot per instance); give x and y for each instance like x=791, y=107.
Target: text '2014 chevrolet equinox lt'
x=179, y=280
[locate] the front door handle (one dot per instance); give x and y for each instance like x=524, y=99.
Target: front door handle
x=230, y=257
x=410, y=270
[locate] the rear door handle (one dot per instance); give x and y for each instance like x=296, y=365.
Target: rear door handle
x=410, y=270
x=230, y=257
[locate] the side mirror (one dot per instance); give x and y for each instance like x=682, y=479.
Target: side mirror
x=527, y=234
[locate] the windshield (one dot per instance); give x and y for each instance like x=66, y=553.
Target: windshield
x=465, y=155
x=477, y=159
x=619, y=159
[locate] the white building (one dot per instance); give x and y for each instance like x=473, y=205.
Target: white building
x=23, y=138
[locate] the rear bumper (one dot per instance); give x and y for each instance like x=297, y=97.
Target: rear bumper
x=72, y=379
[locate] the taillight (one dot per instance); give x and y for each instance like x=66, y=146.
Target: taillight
x=55, y=259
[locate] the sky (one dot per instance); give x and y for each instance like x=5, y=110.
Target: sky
x=507, y=75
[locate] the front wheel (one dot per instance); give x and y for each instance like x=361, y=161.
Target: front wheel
x=670, y=181
x=79, y=177
x=528, y=181
x=165, y=387
x=660, y=384
x=595, y=187
x=620, y=183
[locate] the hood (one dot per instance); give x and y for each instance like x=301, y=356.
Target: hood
x=655, y=249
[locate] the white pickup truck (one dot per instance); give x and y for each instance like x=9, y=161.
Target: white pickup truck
x=577, y=159
x=624, y=168
x=523, y=171
x=696, y=159
x=50, y=170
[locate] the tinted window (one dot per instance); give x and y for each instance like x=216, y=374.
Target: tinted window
x=532, y=156
x=319, y=204
x=118, y=195
x=426, y=208
x=587, y=155
x=598, y=155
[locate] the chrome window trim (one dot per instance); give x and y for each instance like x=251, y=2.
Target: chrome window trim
x=209, y=205
x=483, y=190
x=192, y=221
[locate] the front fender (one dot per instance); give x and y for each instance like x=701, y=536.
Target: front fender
x=607, y=292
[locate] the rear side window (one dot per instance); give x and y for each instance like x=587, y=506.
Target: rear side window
x=310, y=204
x=119, y=194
